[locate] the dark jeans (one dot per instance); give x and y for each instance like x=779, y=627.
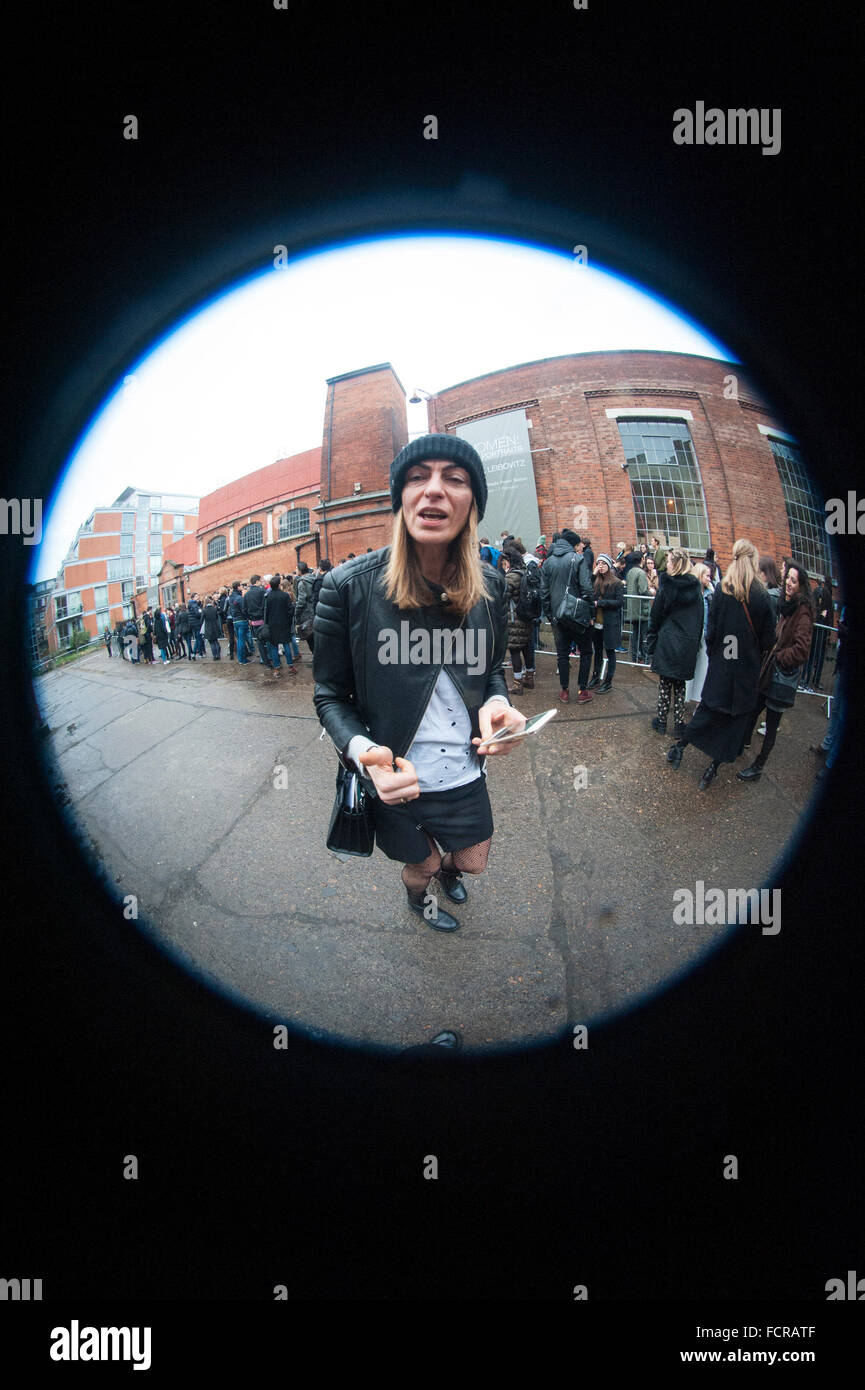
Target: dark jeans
x=520, y=656
x=563, y=647
x=254, y=630
x=229, y=626
x=244, y=641
x=598, y=645
x=273, y=653
x=215, y=648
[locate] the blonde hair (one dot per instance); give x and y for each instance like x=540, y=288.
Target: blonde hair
x=699, y=570
x=678, y=561
x=463, y=577
x=742, y=571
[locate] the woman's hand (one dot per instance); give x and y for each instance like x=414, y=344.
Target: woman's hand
x=392, y=787
x=491, y=719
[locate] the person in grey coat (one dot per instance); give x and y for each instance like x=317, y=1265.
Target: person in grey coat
x=565, y=567
x=637, y=609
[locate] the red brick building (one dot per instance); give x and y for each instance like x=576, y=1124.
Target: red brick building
x=619, y=443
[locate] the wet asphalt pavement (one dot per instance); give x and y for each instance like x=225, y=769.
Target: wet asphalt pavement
x=172, y=775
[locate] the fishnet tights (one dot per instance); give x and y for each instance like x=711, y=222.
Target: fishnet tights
x=472, y=860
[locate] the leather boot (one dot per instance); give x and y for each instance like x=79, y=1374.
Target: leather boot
x=752, y=773
x=529, y=680
x=451, y=882
x=708, y=777
x=659, y=725
x=441, y=920
x=595, y=681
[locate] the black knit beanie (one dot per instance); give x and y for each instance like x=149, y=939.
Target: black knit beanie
x=439, y=446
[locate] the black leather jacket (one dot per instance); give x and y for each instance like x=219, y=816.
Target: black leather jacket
x=355, y=693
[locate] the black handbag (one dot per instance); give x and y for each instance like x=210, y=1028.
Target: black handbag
x=352, y=829
x=783, y=685
x=573, y=613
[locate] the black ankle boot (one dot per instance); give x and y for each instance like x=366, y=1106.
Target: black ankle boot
x=659, y=725
x=708, y=776
x=595, y=681
x=439, y=920
x=752, y=773
x=605, y=686
x=451, y=882
x=674, y=755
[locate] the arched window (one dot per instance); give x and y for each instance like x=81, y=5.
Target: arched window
x=665, y=481
x=216, y=548
x=294, y=523
x=250, y=536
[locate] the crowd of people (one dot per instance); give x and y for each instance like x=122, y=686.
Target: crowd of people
x=267, y=616
x=707, y=636
x=737, y=645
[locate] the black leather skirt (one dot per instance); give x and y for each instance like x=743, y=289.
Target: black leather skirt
x=455, y=819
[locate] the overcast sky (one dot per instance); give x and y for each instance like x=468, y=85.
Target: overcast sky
x=243, y=382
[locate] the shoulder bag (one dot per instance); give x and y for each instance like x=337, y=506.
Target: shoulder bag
x=573, y=613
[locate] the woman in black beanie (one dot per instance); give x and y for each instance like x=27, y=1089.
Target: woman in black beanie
x=409, y=646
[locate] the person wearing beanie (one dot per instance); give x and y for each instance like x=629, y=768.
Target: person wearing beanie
x=565, y=569
x=409, y=646
x=607, y=623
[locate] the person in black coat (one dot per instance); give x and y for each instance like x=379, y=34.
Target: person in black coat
x=193, y=610
x=675, y=632
x=278, y=615
x=162, y=633
x=212, y=627
x=739, y=633
x=607, y=625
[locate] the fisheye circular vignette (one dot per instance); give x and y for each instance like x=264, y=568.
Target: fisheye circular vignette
x=644, y=454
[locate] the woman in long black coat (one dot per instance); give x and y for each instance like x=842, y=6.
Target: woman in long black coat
x=278, y=615
x=675, y=630
x=212, y=627
x=607, y=622
x=162, y=633
x=739, y=632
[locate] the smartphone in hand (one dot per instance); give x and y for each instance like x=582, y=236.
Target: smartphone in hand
x=532, y=725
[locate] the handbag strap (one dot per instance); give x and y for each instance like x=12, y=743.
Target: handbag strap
x=750, y=623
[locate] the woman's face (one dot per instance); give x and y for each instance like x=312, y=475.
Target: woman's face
x=705, y=579
x=436, y=500
x=791, y=584
x=602, y=568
